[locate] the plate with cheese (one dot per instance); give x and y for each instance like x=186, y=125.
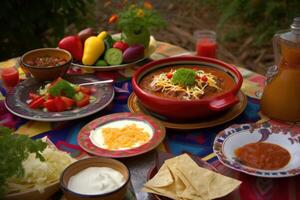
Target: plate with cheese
x=121, y=135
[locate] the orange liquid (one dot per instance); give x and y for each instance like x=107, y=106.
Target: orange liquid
x=281, y=97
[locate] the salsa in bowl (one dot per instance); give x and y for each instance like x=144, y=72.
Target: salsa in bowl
x=46, y=64
x=187, y=87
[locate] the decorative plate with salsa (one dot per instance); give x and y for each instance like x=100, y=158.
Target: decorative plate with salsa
x=263, y=150
x=121, y=135
x=25, y=101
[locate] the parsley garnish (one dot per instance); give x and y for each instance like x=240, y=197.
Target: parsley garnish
x=184, y=77
x=14, y=149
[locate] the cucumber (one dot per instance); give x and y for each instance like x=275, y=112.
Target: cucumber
x=113, y=56
x=101, y=63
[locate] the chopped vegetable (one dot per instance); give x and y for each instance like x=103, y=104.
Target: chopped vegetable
x=62, y=87
x=36, y=103
x=84, y=101
x=60, y=95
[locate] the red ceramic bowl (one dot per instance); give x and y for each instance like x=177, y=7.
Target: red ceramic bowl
x=183, y=110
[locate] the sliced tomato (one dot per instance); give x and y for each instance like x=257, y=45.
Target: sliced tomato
x=60, y=104
x=33, y=96
x=37, y=102
x=85, y=90
x=69, y=102
x=50, y=105
x=84, y=101
x=55, y=81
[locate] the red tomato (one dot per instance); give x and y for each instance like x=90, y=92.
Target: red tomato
x=204, y=78
x=33, y=96
x=169, y=75
x=84, y=101
x=85, y=90
x=121, y=45
x=10, y=76
x=37, y=103
x=60, y=104
x=69, y=102
x=50, y=105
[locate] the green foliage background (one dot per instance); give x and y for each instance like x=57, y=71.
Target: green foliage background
x=259, y=18
x=29, y=24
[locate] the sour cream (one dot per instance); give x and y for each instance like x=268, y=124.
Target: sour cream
x=97, y=138
x=96, y=180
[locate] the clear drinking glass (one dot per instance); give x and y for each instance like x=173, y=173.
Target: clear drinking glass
x=206, y=44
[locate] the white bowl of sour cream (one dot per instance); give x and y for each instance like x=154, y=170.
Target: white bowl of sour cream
x=95, y=178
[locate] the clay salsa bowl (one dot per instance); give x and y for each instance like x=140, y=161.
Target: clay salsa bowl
x=183, y=110
x=46, y=73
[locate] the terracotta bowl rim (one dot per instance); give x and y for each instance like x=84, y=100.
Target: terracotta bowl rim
x=137, y=74
x=69, y=61
x=65, y=188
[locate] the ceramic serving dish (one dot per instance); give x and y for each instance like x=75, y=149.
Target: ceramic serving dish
x=85, y=135
x=46, y=73
x=16, y=100
x=183, y=110
x=80, y=165
x=237, y=136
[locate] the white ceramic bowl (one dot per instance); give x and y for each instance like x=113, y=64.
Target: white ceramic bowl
x=239, y=135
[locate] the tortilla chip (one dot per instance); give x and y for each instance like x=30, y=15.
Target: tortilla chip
x=221, y=186
x=181, y=178
x=161, y=179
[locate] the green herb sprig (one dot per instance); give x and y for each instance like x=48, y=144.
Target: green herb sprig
x=14, y=149
x=184, y=77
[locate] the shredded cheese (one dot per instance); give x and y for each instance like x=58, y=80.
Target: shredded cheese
x=164, y=84
x=125, y=137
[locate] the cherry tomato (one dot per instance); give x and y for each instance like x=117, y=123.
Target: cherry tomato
x=169, y=75
x=204, y=78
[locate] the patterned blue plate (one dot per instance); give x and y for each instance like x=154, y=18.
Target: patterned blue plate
x=15, y=100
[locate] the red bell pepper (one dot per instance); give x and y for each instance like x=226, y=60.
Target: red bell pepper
x=37, y=102
x=72, y=44
x=84, y=101
x=121, y=45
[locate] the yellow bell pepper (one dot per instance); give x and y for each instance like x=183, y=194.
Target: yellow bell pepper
x=93, y=48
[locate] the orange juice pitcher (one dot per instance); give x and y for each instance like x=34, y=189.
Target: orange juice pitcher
x=281, y=96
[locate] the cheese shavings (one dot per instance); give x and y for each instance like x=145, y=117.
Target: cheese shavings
x=203, y=82
x=126, y=137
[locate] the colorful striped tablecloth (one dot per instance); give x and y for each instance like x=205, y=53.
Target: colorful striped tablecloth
x=198, y=142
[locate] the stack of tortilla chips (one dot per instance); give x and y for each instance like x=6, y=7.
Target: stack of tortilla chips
x=181, y=178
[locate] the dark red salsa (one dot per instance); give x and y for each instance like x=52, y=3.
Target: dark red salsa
x=46, y=61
